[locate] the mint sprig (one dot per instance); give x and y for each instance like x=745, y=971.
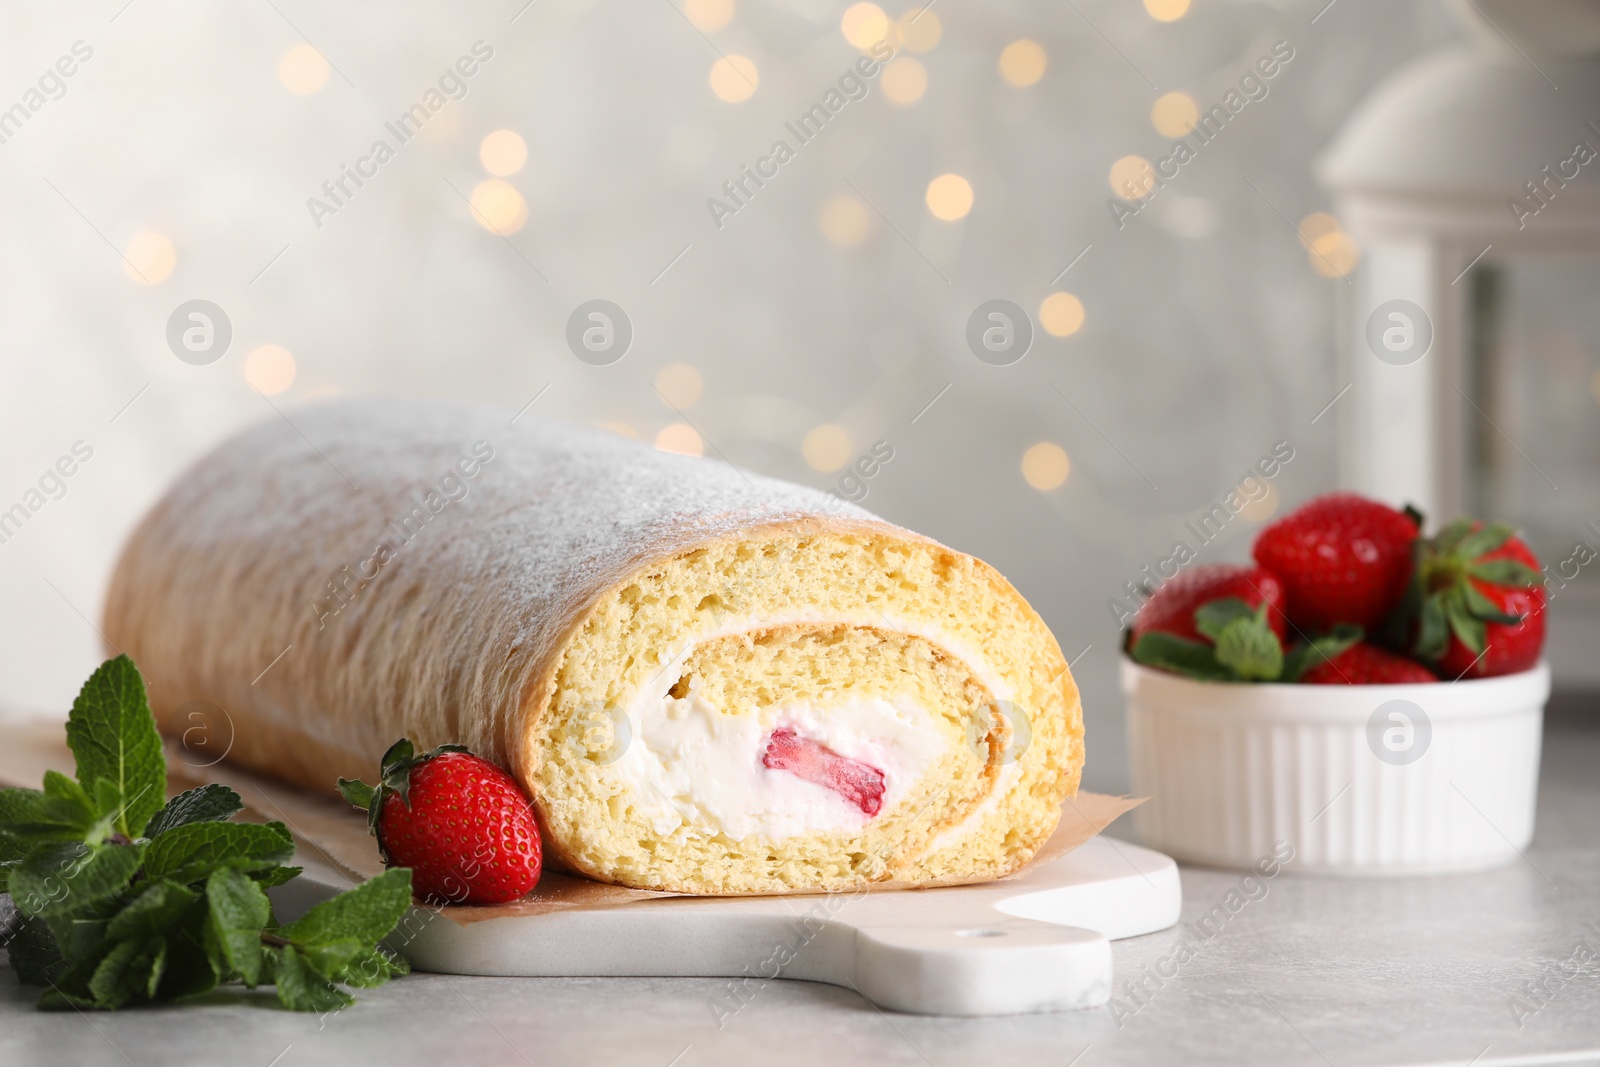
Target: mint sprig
x=125, y=897
x=1241, y=646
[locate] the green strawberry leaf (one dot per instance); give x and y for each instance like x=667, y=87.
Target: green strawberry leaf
x=1504, y=572
x=1468, y=629
x=206, y=803
x=1483, y=540
x=1447, y=540
x=113, y=737
x=399, y=756
x=1213, y=617
x=300, y=987
x=1433, y=628
x=394, y=779
x=61, y=879
x=1402, y=623
x=153, y=912
x=356, y=792
x=365, y=914
x=237, y=912
x=191, y=852
x=1180, y=655
x=1319, y=650
x=1481, y=607
x=1249, y=648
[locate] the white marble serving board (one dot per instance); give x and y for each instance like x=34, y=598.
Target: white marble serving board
x=1036, y=941
x=1039, y=941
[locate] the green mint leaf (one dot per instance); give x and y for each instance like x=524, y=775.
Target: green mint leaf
x=34, y=954
x=64, y=790
x=30, y=815
x=300, y=987
x=54, y=999
x=131, y=970
x=153, y=912
x=1319, y=650
x=237, y=912
x=1504, y=572
x=206, y=803
x=83, y=959
x=107, y=804
x=1484, y=540
x=189, y=853
x=356, y=792
x=1180, y=655
x=331, y=958
x=1249, y=648
x=365, y=914
x=370, y=969
x=1214, y=616
x=189, y=972
x=113, y=736
x=11, y=850
x=276, y=876
x=82, y=932
x=62, y=879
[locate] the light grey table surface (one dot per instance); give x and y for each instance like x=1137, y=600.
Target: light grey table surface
x=1316, y=972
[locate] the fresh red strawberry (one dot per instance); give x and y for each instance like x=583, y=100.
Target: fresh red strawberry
x=460, y=823
x=1365, y=664
x=1481, y=601
x=859, y=783
x=1342, y=558
x=1171, y=608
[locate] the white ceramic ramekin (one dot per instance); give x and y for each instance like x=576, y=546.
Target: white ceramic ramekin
x=1365, y=780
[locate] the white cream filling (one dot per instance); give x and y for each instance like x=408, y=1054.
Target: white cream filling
x=691, y=766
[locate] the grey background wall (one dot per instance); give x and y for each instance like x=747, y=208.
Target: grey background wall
x=176, y=161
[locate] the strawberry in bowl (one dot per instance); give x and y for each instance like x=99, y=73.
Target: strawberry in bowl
x=1342, y=559
x=1479, y=600
x=1363, y=696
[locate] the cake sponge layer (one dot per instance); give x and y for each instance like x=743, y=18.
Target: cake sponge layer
x=898, y=655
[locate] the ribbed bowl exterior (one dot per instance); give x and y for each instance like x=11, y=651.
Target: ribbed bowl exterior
x=1234, y=770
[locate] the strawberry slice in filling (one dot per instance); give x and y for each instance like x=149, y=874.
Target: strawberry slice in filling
x=859, y=783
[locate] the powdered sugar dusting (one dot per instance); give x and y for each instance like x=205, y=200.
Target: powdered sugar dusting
x=404, y=574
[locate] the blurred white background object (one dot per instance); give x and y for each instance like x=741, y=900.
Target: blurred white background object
x=1471, y=179
x=205, y=152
